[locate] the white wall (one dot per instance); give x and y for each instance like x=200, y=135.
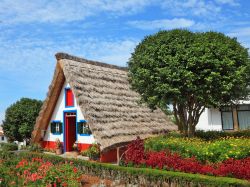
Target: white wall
x=3, y=141
x=210, y=119
x=58, y=115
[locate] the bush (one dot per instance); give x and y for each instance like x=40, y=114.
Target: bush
x=4, y=154
x=93, y=152
x=51, y=150
x=236, y=168
x=135, y=152
x=131, y=174
x=174, y=161
x=213, y=135
x=204, y=151
x=35, y=148
x=8, y=146
x=37, y=172
x=230, y=168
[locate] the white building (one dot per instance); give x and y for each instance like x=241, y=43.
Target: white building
x=228, y=118
x=3, y=139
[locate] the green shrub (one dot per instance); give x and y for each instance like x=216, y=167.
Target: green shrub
x=215, y=151
x=35, y=148
x=8, y=146
x=93, y=152
x=7, y=161
x=213, y=135
x=151, y=175
x=6, y=155
x=174, y=134
x=6, y=174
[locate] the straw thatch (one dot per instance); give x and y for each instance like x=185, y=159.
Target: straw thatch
x=106, y=100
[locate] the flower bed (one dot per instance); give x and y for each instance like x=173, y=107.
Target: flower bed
x=136, y=155
x=38, y=173
x=204, y=151
x=136, y=176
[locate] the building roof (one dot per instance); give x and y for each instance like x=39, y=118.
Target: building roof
x=106, y=100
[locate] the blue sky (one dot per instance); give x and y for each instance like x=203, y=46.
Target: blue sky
x=31, y=32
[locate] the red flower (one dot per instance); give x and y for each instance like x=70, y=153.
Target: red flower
x=135, y=152
x=75, y=169
x=172, y=161
x=64, y=184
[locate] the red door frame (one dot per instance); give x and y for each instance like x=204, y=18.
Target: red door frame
x=70, y=135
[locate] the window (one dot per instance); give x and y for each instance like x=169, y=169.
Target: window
x=243, y=112
x=227, y=118
x=83, y=128
x=56, y=127
x=69, y=98
x=2, y=138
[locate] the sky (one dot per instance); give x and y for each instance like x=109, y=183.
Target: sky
x=31, y=32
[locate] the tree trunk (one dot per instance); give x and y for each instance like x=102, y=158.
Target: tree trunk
x=187, y=118
x=191, y=130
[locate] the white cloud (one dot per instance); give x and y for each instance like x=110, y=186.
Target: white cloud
x=114, y=52
x=191, y=7
x=124, y=7
x=23, y=11
x=162, y=24
x=242, y=34
x=229, y=2
x=37, y=56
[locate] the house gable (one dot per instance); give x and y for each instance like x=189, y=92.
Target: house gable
x=57, y=116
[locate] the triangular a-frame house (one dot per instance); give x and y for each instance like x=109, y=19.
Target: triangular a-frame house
x=91, y=102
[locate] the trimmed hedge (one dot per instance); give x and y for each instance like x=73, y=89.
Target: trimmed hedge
x=35, y=148
x=8, y=146
x=141, y=176
x=213, y=135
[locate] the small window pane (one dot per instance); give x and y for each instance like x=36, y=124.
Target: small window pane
x=69, y=97
x=244, y=119
x=226, y=109
x=57, y=128
x=227, y=120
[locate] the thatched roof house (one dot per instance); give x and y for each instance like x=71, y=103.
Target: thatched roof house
x=108, y=104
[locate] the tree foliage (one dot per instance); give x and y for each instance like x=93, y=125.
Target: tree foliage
x=191, y=71
x=20, y=119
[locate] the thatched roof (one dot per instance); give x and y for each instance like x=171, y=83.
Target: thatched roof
x=106, y=100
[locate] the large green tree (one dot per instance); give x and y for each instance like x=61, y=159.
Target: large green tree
x=191, y=71
x=20, y=119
